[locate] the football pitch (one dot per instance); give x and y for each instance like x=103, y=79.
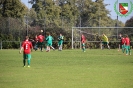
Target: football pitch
x=94, y=68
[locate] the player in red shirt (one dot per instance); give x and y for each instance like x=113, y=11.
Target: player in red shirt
x=40, y=40
x=122, y=43
x=36, y=43
x=83, y=39
x=27, y=48
x=127, y=45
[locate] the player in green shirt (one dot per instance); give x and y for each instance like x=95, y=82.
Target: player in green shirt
x=105, y=41
x=60, y=42
x=49, y=40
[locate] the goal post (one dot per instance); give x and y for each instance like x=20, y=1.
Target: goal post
x=92, y=32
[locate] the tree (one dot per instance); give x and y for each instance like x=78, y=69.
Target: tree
x=129, y=23
x=12, y=8
x=46, y=11
x=93, y=13
x=69, y=12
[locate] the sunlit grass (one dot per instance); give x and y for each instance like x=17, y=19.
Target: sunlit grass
x=67, y=69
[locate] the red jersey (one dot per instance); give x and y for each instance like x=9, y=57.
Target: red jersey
x=36, y=39
x=127, y=41
x=27, y=45
x=40, y=38
x=123, y=40
x=83, y=39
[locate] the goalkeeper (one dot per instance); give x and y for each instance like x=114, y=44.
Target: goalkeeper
x=60, y=41
x=105, y=41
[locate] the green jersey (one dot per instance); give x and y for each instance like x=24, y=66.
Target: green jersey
x=60, y=39
x=49, y=39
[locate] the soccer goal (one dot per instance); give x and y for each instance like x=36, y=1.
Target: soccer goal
x=93, y=35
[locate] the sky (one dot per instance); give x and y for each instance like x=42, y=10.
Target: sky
x=114, y=14
x=110, y=7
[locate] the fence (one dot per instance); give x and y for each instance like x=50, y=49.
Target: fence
x=66, y=44
x=17, y=44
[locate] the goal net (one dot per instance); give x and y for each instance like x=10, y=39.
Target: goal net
x=93, y=36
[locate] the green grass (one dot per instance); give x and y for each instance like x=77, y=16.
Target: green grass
x=67, y=69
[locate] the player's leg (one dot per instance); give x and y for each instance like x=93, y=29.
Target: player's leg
x=127, y=51
x=58, y=46
x=102, y=45
x=108, y=45
x=52, y=46
x=24, y=60
x=123, y=48
x=41, y=45
x=48, y=47
x=38, y=44
x=28, y=60
x=35, y=47
x=83, y=47
x=61, y=47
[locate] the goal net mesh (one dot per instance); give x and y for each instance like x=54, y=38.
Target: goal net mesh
x=93, y=36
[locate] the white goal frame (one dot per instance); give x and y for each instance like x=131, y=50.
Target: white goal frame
x=73, y=28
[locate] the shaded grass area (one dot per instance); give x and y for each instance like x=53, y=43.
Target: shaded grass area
x=67, y=69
